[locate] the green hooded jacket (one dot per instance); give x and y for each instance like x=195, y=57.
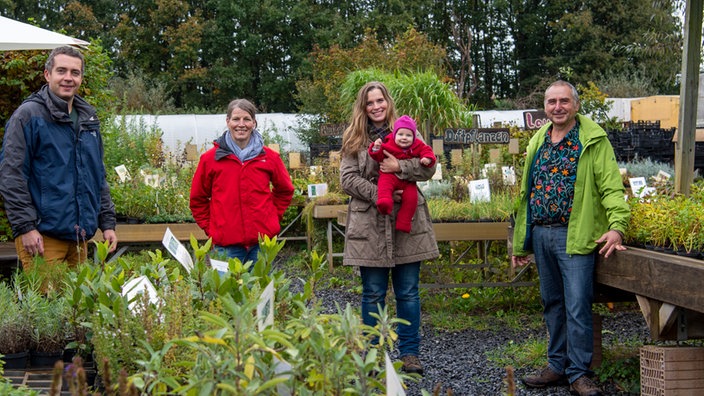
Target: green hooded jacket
x=599, y=203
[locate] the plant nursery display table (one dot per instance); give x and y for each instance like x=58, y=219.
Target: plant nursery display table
x=483, y=232
x=150, y=233
x=140, y=233
x=668, y=289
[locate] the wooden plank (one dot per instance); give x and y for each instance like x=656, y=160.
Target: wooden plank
x=154, y=232
x=479, y=231
x=667, y=316
x=438, y=148
x=646, y=307
x=7, y=251
x=667, y=278
x=327, y=211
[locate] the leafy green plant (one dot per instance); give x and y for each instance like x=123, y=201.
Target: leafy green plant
x=667, y=221
x=80, y=299
x=593, y=102
x=9, y=389
x=219, y=345
x=621, y=364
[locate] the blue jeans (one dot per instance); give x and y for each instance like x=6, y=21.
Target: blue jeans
x=405, y=279
x=240, y=252
x=567, y=291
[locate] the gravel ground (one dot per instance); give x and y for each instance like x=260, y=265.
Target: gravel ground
x=457, y=362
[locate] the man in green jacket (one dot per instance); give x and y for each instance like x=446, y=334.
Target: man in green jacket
x=572, y=201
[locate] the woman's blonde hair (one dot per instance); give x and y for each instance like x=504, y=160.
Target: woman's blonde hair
x=355, y=136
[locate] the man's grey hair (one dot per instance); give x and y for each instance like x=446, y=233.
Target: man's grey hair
x=563, y=83
x=65, y=50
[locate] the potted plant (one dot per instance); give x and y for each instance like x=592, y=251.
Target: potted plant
x=49, y=322
x=14, y=329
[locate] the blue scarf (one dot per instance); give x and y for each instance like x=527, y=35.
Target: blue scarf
x=254, y=147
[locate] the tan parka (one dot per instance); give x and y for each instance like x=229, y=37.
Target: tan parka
x=370, y=238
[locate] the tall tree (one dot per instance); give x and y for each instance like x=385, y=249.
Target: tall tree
x=410, y=52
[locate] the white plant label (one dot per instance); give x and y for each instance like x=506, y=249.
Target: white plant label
x=637, y=185
x=177, y=250
x=317, y=190
x=123, y=173
x=479, y=191
x=137, y=286
x=438, y=172
x=393, y=383
x=219, y=265
x=265, y=307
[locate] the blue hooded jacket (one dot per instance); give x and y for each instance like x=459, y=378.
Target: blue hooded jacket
x=53, y=178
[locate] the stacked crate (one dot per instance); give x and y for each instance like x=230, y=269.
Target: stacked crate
x=671, y=371
x=643, y=139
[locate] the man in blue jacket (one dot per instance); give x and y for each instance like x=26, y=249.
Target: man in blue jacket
x=51, y=166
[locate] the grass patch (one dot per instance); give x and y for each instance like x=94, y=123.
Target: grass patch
x=529, y=353
x=482, y=308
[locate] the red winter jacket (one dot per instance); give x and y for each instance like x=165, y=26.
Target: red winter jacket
x=235, y=202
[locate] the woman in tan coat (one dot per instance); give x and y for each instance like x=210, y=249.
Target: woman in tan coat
x=371, y=241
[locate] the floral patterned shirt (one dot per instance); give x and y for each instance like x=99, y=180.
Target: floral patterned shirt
x=554, y=172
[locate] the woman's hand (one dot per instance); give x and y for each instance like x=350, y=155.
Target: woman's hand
x=389, y=164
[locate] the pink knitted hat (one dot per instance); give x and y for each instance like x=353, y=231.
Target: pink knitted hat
x=405, y=122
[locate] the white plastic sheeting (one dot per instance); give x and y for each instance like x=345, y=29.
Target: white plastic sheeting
x=202, y=129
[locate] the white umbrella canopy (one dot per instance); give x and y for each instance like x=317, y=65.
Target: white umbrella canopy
x=15, y=35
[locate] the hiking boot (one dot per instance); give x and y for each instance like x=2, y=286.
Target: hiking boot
x=583, y=386
x=545, y=377
x=411, y=365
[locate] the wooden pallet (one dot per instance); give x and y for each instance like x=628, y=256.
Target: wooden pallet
x=35, y=379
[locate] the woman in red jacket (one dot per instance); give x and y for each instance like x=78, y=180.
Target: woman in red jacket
x=241, y=188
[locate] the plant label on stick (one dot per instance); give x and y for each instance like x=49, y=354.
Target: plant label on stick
x=393, y=383
x=123, y=173
x=317, y=190
x=662, y=176
x=438, y=172
x=509, y=175
x=637, y=185
x=138, y=286
x=265, y=307
x=219, y=265
x=177, y=250
x=479, y=191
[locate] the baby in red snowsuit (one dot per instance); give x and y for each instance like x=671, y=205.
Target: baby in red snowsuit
x=402, y=144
